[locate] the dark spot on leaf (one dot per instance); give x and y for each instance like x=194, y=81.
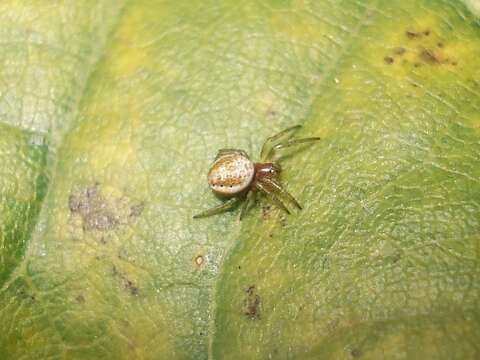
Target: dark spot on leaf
x=426, y=32
x=412, y=34
x=435, y=57
x=417, y=65
x=388, y=60
x=271, y=113
x=26, y=295
x=137, y=209
x=80, y=299
x=399, y=51
x=429, y=57
x=440, y=45
x=266, y=209
x=396, y=257
x=128, y=284
x=239, y=267
x=356, y=353
x=99, y=211
x=252, y=303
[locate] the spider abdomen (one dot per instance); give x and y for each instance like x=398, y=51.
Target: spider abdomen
x=231, y=174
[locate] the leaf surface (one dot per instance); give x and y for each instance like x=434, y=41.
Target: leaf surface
x=110, y=130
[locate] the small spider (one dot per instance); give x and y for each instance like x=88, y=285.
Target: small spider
x=234, y=176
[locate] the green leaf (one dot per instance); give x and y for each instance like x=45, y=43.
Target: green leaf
x=110, y=114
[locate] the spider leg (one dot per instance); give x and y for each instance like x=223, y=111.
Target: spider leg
x=278, y=188
x=227, y=205
x=264, y=189
x=245, y=204
x=272, y=139
x=289, y=143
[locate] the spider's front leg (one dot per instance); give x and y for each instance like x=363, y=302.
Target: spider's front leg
x=227, y=205
x=270, y=142
x=271, y=154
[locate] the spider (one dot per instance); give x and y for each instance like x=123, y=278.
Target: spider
x=234, y=176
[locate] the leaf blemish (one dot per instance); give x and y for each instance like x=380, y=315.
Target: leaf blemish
x=356, y=353
x=26, y=295
x=388, y=60
x=102, y=212
x=252, y=303
x=412, y=34
x=128, y=284
x=435, y=57
x=199, y=260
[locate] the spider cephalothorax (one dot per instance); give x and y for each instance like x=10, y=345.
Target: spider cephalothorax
x=235, y=176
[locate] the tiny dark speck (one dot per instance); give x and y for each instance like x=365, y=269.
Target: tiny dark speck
x=131, y=287
x=412, y=34
x=388, y=60
x=426, y=32
x=440, y=45
x=429, y=57
x=417, y=65
x=356, y=353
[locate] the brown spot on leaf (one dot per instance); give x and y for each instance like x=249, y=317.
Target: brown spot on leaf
x=399, y=51
x=388, y=60
x=412, y=34
x=252, y=303
x=436, y=57
x=426, y=32
x=137, y=209
x=440, y=45
x=99, y=211
x=128, y=284
x=429, y=57
x=356, y=352
x=26, y=295
x=271, y=113
x=80, y=299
